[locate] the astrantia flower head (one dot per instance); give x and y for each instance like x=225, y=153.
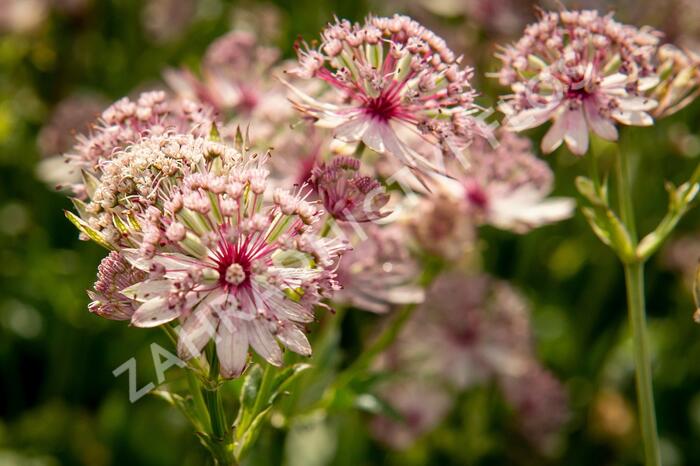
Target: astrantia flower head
x=235, y=71
x=584, y=72
x=113, y=275
x=232, y=266
x=541, y=404
x=126, y=122
x=391, y=77
x=131, y=180
x=679, y=72
x=379, y=273
x=347, y=195
x=507, y=186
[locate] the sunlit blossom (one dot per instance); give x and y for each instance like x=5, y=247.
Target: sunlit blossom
x=391, y=77
x=231, y=266
x=583, y=71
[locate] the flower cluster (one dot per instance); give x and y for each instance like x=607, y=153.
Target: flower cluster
x=131, y=179
x=379, y=273
x=126, y=122
x=347, y=195
x=114, y=274
x=393, y=79
x=582, y=70
x=679, y=72
x=468, y=330
x=232, y=266
x=507, y=186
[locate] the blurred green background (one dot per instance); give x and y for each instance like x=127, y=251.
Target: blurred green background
x=61, y=405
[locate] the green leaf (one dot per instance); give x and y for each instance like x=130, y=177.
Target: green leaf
x=120, y=225
x=251, y=434
x=598, y=225
x=249, y=393
x=373, y=404
x=91, y=233
x=81, y=207
x=587, y=189
x=91, y=182
x=285, y=379
x=214, y=134
x=185, y=405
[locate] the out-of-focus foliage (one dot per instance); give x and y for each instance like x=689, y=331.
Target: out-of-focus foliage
x=61, y=405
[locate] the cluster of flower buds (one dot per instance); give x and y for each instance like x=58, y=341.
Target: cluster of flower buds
x=347, y=195
x=582, y=70
x=393, y=78
x=130, y=180
x=679, y=72
x=125, y=122
x=204, y=239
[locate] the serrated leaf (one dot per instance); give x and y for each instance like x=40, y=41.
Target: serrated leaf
x=90, y=232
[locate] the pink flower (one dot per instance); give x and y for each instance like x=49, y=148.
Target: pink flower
x=541, y=405
x=389, y=78
x=236, y=75
x=422, y=405
x=128, y=182
x=379, y=273
x=347, y=195
x=584, y=72
x=231, y=266
x=507, y=186
x=680, y=80
x=125, y=122
x=113, y=275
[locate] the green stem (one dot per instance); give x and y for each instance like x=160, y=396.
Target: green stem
x=199, y=405
x=625, y=195
x=263, y=395
x=212, y=395
x=368, y=356
x=634, y=281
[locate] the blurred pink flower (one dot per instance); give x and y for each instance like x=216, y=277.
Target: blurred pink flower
x=507, y=186
x=379, y=272
x=540, y=403
x=583, y=71
x=422, y=406
x=392, y=77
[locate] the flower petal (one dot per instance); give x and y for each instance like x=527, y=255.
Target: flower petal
x=195, y=332
x=600, y=125
x=576, y=135
x=263, y=342
x=293, y=338
x=153, y=313
x=232, y=347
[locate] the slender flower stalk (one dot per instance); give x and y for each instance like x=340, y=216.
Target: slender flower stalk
x=634, y=281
